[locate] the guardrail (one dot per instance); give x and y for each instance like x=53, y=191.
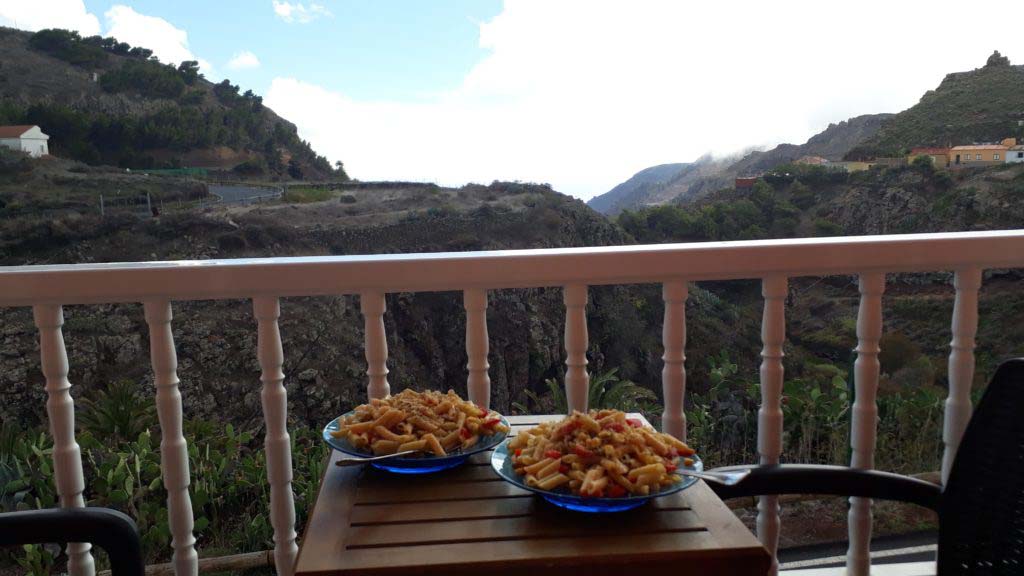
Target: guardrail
x=265, y=280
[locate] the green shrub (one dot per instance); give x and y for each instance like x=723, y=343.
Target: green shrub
x=68, y=46
x=144, y=77
x=824, y=227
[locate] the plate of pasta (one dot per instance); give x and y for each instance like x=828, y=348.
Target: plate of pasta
x=602, y=461
x=443, y=428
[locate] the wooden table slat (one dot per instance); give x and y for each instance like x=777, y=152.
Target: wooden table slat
x=522, y=528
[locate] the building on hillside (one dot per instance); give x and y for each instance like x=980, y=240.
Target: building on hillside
x=29, y=139
x=847, y=166
x=811, y=161
x=1015, y=155
x=938, y=156
x=890, y=162
x=743, y=182
x=977, y=155
x=1009, y=142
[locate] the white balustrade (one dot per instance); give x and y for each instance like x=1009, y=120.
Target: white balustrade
x=173, y=448
x=577, y=381
x=864, y=416
x=769, y=417
x=277, y=443
x=673, y=375
x=376, y=343
x=265, y=280
x=478, y=382
x=60, y=408
x=967, y=281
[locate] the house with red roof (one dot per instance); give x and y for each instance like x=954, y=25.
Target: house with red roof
x=938, y=156
x=26, y=138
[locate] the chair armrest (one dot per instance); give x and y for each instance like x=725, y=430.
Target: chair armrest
x=103, y=527
x=832, y=480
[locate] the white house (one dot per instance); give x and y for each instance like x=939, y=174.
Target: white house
x=29, y=139
x=1015, y=155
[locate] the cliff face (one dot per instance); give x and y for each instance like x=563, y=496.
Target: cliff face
x=323, y=336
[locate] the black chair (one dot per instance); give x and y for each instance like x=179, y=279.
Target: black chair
x=108, y=529
x=981, y=508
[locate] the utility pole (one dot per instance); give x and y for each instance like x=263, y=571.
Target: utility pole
x=102, y=211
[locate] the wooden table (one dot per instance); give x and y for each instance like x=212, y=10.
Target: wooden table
x=469, y=521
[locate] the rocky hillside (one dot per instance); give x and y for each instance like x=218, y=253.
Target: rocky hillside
x=833, y=143
x=983, y=105
x=323, y=336
x=802, y=201
x=104, y=102
x=631, y=191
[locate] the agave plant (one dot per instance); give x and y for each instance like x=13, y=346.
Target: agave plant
x=119, y=412
x=607, y=391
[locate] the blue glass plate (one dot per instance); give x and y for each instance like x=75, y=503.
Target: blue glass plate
x=502, y=464
x=414, y=465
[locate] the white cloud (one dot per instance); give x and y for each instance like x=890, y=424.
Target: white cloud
x=38, y=14
x=243, y=60
x=168, y=43
x=298, y=12
x=583, y=94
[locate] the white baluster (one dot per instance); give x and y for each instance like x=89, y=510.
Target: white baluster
x=769, y=417
x=478, y=382
x=864, y=416
x=673, y=375
x=60, y=408
x=376, y=344
x=577, y=381
x=173, y=448
x=961, y=363
x=277, y=442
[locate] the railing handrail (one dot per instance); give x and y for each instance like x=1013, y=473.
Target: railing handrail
x=456, y=271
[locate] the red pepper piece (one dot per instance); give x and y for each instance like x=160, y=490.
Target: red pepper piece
x=553, y=454
x=616, y=491
x=581, y=451
x=491, y=422
x=519, y=452
x=465, y=433
x=563, y=469
x=635, y=422
x=670, y=467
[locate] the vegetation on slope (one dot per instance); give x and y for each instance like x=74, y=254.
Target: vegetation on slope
x=173, y=111
x=982, y=105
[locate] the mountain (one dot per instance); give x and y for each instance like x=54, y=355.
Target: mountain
x=636, y=188
x=833, y=143
x=708, y=174
x=983, y=105
x=105, y=102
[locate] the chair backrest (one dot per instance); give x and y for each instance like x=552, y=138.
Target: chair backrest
x=982, y=510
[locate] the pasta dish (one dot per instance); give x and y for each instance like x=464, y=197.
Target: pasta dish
x=429, y=422
x=601, y=454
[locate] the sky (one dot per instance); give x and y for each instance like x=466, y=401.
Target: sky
x=580, y=94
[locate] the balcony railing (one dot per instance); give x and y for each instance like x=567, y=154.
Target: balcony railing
x=265, y=280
